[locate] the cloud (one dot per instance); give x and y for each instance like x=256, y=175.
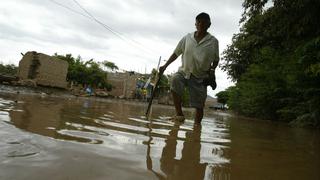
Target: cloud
x=141, y=30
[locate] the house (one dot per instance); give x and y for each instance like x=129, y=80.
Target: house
x=123, y=84
x=43, y=70
x=210, y=101
x=218, y=106
x=213, y=103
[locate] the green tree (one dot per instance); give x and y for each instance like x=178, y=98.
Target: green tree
x=223, y=97
x=8, y=69
x=274, y=60
x=110, y=65
x=85, y=72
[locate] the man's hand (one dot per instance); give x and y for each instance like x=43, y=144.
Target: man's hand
x=162, y=69
x=172, y=58
x=211, y=79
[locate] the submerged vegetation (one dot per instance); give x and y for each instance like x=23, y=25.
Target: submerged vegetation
x=275, y=62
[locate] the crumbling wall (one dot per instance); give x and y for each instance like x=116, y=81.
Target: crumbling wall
x=130, y=85
x=52, y=71
x=123, y=84
x=24, y=66
x=117, y=87
x=43, y=69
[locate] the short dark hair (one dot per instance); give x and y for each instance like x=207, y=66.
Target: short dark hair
x=204, y=16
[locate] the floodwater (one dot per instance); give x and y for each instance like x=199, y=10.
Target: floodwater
x=47, y=137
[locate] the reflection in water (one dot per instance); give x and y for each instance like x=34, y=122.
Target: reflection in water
x=189, y=166
x=221, y=148
x=273, y=151
x=148, y=157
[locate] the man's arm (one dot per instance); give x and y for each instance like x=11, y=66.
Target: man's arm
x=214, y=64
x=217, y=58
x=172, y=58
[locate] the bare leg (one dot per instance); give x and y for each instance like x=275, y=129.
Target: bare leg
x=177, y=103
x=199, y=115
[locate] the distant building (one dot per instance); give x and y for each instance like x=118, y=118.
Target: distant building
x=218, y=106
x=43, y=70
x=130, y=85
x=210, y=101
x=123, y=84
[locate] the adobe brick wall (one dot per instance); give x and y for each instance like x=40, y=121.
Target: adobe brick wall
x=123, y=84
x=43, y=69
x=24, y=66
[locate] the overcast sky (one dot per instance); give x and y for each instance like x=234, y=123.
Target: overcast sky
x=142, y=30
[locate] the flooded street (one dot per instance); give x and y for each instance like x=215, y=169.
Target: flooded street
x=47, y=137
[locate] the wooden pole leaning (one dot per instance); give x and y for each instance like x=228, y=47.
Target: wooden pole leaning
x=158, y=77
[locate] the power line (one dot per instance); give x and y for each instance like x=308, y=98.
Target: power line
x=99, y=22
x=70, y=9
x=120, y=35
x=114, y=32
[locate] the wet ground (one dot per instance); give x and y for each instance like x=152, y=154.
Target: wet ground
x=55, y=137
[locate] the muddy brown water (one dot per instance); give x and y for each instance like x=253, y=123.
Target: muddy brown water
x=51, y=137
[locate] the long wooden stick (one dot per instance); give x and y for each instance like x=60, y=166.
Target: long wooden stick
x=158, y=77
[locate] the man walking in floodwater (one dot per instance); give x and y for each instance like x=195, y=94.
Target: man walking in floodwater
x=200, y=53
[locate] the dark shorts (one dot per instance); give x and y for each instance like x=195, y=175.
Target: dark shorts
x=197, y=91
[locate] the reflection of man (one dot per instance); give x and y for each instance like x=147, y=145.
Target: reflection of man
x=167, y=160
x=189, y=166
x=148, y=158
